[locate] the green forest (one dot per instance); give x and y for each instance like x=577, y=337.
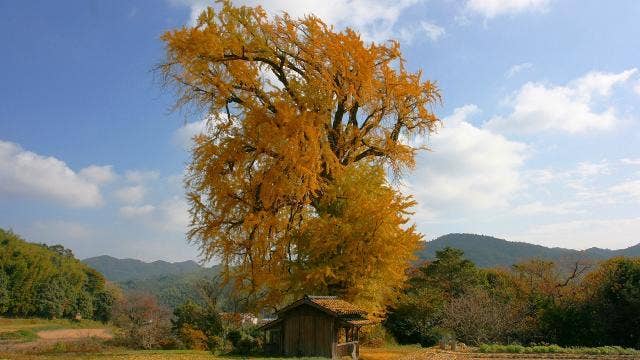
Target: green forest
x=577, y=303
x=49, y=282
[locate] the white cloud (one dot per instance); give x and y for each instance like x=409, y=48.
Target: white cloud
x=588, y=168
x=571, y=108
x=540, y=176
x=433, y=31
x=174, y=214
x=637, y=87
x=98, y=174
x=468, y=167
x=131, y=194
x=600, y=83
x=171, y=215
x=582, y=234
x=627, y=189
x=131, y=211
x=628, y=161
x=140, y=176
x=184, y=135
x=515, y=69
x=375, y=19
x=492, y=8
x=24, y=173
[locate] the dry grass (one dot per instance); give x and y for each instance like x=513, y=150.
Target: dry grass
x=135, y=355
x=400, y=353
x=387, y=353
x=10, y=324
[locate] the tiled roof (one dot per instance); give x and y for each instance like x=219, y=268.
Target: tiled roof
x=363, y=322
x=335, y=305
x=343, y=310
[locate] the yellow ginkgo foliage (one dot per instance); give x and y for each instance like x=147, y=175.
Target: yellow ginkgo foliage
x=297, y=112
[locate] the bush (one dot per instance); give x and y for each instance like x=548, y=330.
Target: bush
x=144, y=324
x=245, y=341
x=193, y=338
x=217, y=344
x=196, y=326
x=234, y=337
x=376, y=336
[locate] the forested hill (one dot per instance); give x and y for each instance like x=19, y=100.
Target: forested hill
x=172, y=283
x=488, y=251
x=48, y=281
x=120, y=270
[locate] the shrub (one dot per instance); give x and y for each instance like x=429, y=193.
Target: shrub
x=234, y=337
x=245, y=340
x=193, y=338
x=376, y=336
x=144, y=324
x=195, y=326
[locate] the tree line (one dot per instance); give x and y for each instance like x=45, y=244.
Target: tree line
x=48, y=281
x=534, y=302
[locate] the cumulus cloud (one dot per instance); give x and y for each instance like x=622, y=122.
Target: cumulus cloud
x=571, y=108
x=24, y=173
x=375, y=19
x=493, y=8
x=98, y=174
x=515, y=69
x=131, y=194
x=468, y=167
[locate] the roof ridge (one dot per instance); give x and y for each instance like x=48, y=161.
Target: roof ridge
x=332, y=297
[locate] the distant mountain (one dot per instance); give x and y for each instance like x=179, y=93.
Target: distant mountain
x=488, y=251
x=172, y=283
x=119, y=270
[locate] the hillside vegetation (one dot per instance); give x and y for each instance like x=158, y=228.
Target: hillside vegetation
x=171, y=283
x=48, y=281
x=487, y=251
x=174, y=283
x=121, y=270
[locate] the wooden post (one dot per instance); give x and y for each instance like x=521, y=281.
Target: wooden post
x=358, y=344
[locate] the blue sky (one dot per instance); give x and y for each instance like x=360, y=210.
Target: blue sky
x=540, y=139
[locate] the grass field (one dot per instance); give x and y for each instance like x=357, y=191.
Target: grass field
x=27, y=339
x=367, y=354
x=26, y=330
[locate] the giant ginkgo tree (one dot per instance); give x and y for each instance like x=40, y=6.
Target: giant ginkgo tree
x=288, y=185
